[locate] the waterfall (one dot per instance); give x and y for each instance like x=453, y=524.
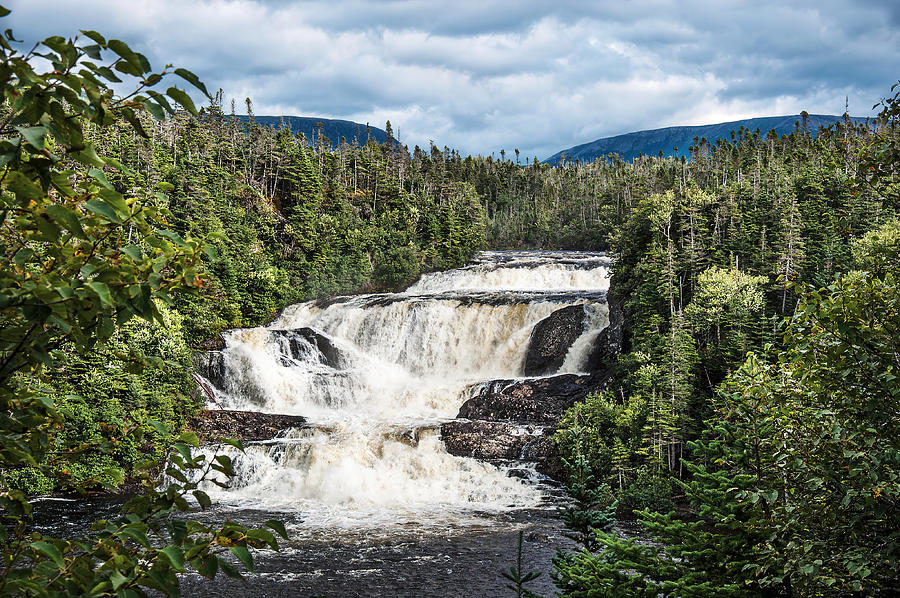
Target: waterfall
x=376, y=374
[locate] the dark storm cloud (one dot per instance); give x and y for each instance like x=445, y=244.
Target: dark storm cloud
x=534, y=75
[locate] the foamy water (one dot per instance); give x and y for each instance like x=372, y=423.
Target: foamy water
x=372, y=455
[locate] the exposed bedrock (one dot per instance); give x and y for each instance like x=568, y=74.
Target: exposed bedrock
x=551, y=338
x=538, y=400
x=300, y=341
x=211, y=425
x=297, y=345
x=211, y=365
x=515, y=420
x=608, y=344
x=504, y=441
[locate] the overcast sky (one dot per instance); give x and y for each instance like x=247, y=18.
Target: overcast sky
x=481, y=75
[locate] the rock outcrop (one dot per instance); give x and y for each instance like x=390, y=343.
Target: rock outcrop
x=211, y=365
x=608, y=345
x=508, y=420
x=539, y=400
x=551, y=338
x=299, y=340
x=504, y=441
x=515, y=420
x=300, y=344
x=212, y=425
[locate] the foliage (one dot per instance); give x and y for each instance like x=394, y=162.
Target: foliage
x=878, y=251
x=795, y=484
x=80, y=258
x=591, y=508
x=709, y=254
x=609, y=443
x=785, y=476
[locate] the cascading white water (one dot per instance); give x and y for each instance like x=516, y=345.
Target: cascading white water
x=376, y=374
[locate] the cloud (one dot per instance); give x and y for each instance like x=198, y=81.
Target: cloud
x=480, y=75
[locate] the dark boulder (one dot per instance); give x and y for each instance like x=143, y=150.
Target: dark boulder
x=540, y=400
x=216, y=343
x=502, y=442
x=551, y=338
x=211, y=425
x=299, y=342
x=211, y=365
x=515, y=420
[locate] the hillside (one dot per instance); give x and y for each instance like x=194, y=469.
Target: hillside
x=333, y=129
x=651, y=142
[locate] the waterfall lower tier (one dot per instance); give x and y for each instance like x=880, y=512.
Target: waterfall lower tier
x=371, y=474
x=377, y=375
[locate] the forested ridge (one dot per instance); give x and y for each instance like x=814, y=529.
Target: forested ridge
x=136, y=235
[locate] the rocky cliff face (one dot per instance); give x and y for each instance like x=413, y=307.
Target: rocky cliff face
x=299, y=343
x=541, y=400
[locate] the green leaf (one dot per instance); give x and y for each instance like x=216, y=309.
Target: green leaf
x=161, y=100
x=229, y=569
x=224, y=464
x=235, y=442
x=134, y=252
x=189, y=438
x=99, y=176
x=264, y=535
x=193, y=80
x=209, y=566
x=166, y=582
x=157, y=425
x=243, y=556
x=117, y=579
x=131, y=57
x=92, y=50
x=87, y=156
x=24, y=188
x=98, y=206
x=202, y=499
x=101, y=290
x=174, y=555
x=137, y=535
x=67, y=219
x=135, y=122
x=183, y=99
x=34, y=136
x=116, y=201
x=183, y=450
x=154, y=109
x=94, y=36
x=50, y=551
x=278, y=527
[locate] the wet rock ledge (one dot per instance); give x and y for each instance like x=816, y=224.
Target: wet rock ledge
x=514, y=420
x=211, y=425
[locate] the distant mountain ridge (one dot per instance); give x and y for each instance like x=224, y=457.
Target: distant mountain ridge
x=651, y=142
x=333, y=129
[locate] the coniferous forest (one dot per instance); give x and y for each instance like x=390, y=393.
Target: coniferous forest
x=751, y=425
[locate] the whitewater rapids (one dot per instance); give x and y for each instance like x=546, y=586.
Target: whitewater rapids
x=400, y=364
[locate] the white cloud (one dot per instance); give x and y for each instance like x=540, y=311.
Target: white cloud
x=481, y=75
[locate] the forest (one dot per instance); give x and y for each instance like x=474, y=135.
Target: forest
x=752, y=424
